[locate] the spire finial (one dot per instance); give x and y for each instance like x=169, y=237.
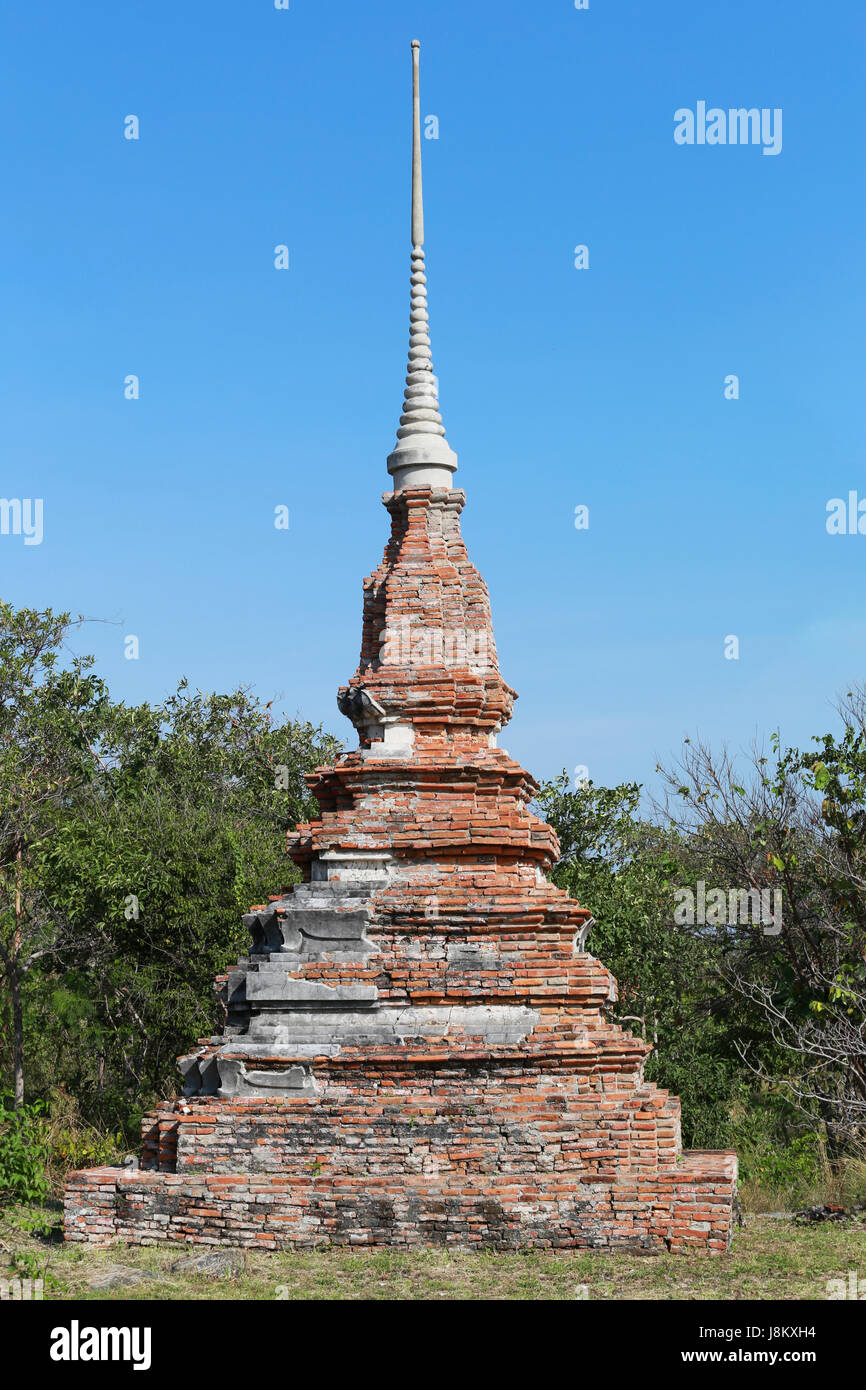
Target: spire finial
x=417, y=191
x=422, y=456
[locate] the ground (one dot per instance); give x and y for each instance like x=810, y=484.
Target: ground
x=771, y=1258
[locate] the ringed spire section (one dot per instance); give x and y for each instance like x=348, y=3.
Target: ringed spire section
x=422, y=456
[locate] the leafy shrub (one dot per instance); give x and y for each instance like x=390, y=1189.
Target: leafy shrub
x=74, y=1143
x=24, y=1152
x=84, y=1148
x=796, y=1168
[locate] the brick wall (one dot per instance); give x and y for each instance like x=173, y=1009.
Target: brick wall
x=684, y=1209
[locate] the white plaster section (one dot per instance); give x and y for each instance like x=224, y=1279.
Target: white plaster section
x=394, y=739
x=307, y=1032
x=508, y=1023
x=237, y=1080
x=351, y=866
x=399, y=737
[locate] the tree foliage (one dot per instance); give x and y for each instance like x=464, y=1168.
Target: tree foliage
x=625, y=870
x=131, y=840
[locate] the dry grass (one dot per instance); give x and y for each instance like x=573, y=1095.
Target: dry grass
x=843, y=1184
x=770, y=1259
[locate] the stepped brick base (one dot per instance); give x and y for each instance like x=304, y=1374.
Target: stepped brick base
x=686, y=1208
x=408, y=1171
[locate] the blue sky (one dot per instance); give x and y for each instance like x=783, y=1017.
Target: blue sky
x=559, y=387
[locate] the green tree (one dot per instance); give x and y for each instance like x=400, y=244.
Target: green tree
x=182, y=830
x=50, y=717
x=625, y=870
x=792, y=823
x=131, y=840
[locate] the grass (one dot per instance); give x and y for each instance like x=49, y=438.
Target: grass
x=844, y=1191
x=769, y=1259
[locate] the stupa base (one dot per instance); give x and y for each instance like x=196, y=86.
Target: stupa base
x=310, y=1200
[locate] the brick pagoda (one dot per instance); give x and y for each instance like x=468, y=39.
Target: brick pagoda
x=417, y=1048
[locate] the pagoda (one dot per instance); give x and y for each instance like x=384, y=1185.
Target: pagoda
x=417, y=1048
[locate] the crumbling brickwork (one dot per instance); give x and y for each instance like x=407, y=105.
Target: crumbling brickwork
x=418, y=1046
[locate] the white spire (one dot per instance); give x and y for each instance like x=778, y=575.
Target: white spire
x=422, y=456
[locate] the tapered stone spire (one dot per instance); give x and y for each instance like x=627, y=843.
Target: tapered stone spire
x=422, y=456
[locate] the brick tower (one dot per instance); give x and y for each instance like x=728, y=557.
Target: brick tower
x=416, y=1048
